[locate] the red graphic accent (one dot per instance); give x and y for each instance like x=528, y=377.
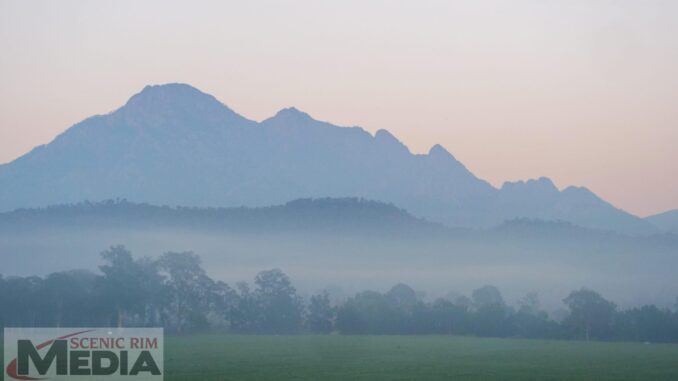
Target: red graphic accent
x=11, y=368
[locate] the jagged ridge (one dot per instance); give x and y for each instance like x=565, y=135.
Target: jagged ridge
x=175, y=145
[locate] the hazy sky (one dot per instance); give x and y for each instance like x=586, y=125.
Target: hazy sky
x=584, y=92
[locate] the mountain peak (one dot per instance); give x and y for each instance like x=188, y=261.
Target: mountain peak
x=174, y=103
x=542, y=184
x=174, y=95
x=170, y=87
x=439, y=151
x=175, y=92
x=582, y=193
x=292, y=114
x=387, y=139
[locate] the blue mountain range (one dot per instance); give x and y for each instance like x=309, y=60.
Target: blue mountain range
x=175, y=145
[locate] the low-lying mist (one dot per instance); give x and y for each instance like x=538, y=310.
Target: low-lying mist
x=628, y=271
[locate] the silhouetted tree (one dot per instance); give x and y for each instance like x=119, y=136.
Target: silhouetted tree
x=401, y=296
x=25, y=295
x=403, y=304
x=530, y=321
x=188, y=292
x=487, y=296
x=222, y=303
x=490, y=317
x=366, y=312
x=449, y=318
x=175, y=292
x=279, y=305
x=647, y=323
x=590, y=314
x=120, y=283
x=320, y=313
x=244, y=316
x=70, y=298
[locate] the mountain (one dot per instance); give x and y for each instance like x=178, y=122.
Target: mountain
x=666, y=222
x=542, y=200
x=173, y=144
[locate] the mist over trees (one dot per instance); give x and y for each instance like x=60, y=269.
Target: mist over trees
x=174, y=291
x=342, y=241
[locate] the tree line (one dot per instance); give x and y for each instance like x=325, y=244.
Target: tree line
x=174, y=291
x=348, y=213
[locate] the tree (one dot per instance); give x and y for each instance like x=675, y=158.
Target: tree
x=69, y=296
x=129, y=285
x=403, y=305
x=188, y=291
x=244, y=316
x=590, y=314
x=279, y=305
x=223, y=302
x=366, y=312
x=647, y=323
x=26, y=299
x=487, y=296
x=119, y=282
x=530, y=321
x=320, y=313
x=151, y=285
x=448, y=318
x=401, y=296
x=491, y=314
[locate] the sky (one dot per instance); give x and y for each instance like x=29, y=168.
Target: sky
x=583, y=92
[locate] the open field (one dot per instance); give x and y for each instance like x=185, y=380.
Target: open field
x=235, y=357
x=230, y=357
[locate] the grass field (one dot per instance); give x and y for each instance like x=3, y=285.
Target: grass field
x=281, y=358
x=230, y=357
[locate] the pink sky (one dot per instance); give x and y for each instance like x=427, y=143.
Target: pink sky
x=584, y=92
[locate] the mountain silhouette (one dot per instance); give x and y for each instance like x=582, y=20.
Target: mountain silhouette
x=175, y=145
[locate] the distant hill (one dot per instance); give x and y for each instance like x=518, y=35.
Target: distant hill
x=667, y=221
x=303, y=214
x=174, y=145
x=333, y=215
